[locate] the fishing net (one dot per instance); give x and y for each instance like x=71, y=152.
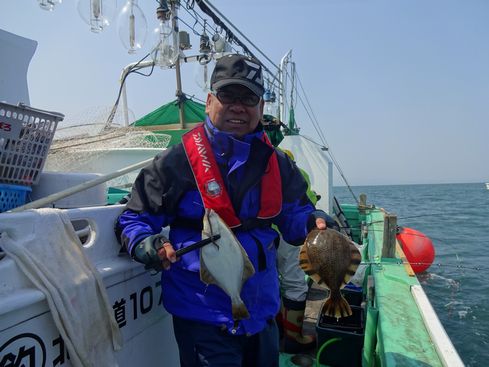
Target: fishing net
x=84, y=143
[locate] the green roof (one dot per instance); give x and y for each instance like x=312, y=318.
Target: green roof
x=168, y=114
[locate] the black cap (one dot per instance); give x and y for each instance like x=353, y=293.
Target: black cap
x=238, y=69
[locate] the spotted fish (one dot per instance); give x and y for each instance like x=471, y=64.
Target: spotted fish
x=330, y=258
x=225, y=262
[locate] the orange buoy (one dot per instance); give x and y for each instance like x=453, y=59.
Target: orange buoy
x=417, y=247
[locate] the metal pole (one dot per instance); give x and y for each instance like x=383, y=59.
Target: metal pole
x=291, y=107
x=282, y=72
x=178, y=93
x=124, y=106
x=81, y=187
x=292, y=87
x=125, y=71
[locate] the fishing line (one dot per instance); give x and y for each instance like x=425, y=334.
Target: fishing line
x=421, y=215
x=356, y=228
x=399, y=262
x=442, y=241
x=406, y=217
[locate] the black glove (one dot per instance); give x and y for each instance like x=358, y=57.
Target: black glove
x=330, y=222
x=146, y=251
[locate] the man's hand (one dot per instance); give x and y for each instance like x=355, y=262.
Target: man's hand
x=167, y=255
x=321, y=223
x=156, y=252
x=320, y=220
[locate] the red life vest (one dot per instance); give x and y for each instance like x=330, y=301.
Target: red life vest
x=211, y=185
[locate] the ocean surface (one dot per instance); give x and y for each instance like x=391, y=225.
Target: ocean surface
x=456, y=218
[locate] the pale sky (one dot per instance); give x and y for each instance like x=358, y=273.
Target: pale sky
x=400, y=87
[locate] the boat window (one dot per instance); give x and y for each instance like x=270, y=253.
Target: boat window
x=83, y=230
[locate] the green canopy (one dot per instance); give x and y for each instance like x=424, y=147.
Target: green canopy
x=166, y=119
x=168, y=114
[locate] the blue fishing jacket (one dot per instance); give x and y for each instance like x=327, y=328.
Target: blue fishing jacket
x=165, y=194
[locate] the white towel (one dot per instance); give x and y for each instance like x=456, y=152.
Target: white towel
x=52, y=257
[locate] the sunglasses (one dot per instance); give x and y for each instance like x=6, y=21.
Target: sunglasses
x=248, y=99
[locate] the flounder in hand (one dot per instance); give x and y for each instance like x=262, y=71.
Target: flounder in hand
x=330, y=258
x=225, y=262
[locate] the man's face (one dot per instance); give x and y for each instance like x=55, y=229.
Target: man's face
x=235, y=117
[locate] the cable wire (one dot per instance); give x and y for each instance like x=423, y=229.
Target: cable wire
x=315, y=122
x=134, y=69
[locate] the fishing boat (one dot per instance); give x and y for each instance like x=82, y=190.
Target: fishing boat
x=487, y=185
x=43, y=211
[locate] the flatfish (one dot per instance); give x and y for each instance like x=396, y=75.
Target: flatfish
x=224, y=262
x=330, y=258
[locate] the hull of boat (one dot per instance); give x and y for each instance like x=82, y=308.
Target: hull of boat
x=28, y=335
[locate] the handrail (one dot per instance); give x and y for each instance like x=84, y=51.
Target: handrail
x=80, y=187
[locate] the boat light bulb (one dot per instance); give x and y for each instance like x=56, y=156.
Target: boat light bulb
x=132, y=26
x=98, y=14
x=202, y=71
x=168, y=41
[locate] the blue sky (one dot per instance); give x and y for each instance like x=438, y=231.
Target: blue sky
x=400, y=87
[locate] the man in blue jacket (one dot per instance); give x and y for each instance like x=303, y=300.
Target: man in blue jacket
x=226, y=164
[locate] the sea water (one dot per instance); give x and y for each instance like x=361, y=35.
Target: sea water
x=456, y=218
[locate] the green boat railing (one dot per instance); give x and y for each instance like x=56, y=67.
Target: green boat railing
x=396, y=332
